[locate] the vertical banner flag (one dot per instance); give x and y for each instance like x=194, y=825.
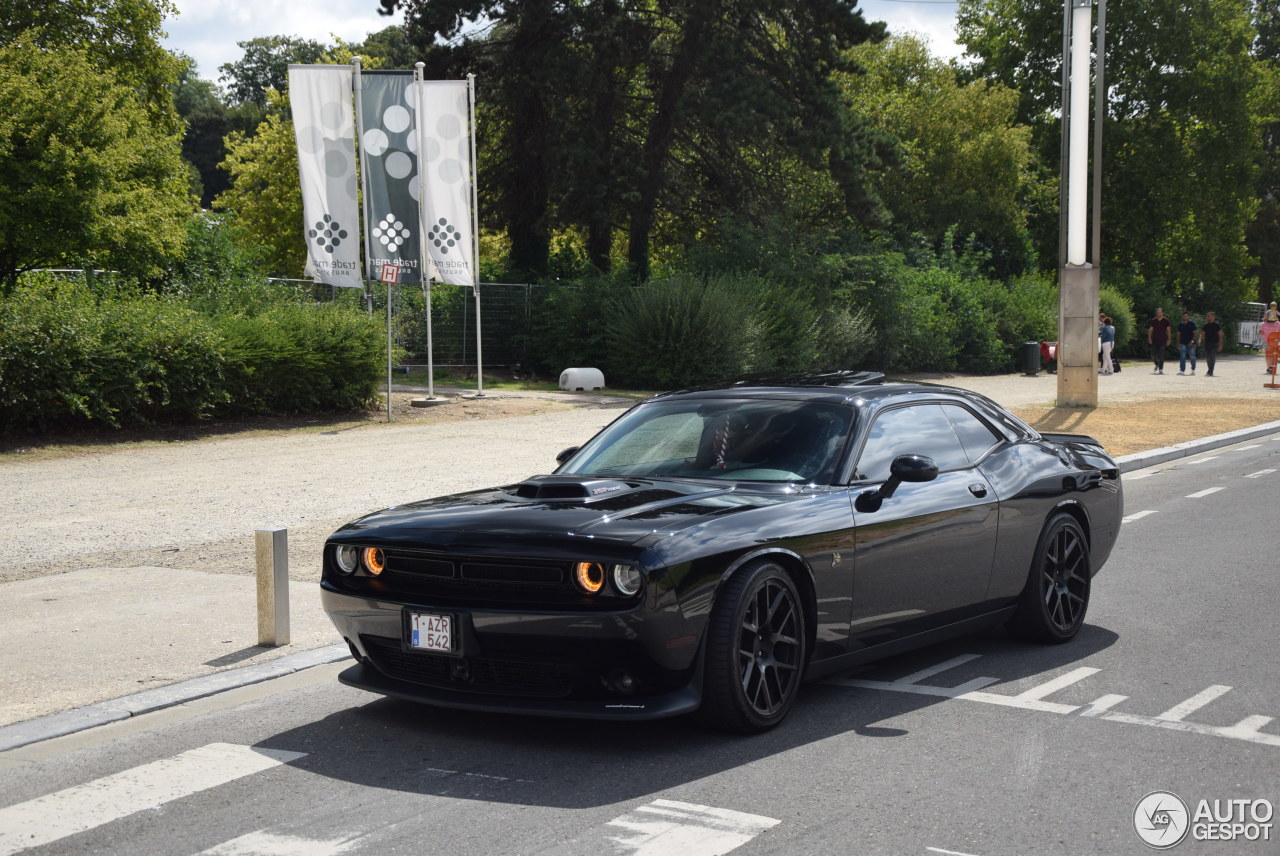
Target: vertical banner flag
x=444, y=126
x=388, y=159
x=320, y=96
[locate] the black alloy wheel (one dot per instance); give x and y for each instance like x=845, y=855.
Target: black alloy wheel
x=756, y=648
x=1053, y=604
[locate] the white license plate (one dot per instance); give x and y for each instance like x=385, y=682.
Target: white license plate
x=430, y=631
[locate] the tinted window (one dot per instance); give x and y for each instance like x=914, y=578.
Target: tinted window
x=922, y=429
x=974, y=434
x=750, y=440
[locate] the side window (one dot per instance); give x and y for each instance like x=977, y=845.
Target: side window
x=974, y=434
x=921, y=429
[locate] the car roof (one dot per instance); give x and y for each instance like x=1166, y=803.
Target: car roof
x=832, y=386
x=864, y=390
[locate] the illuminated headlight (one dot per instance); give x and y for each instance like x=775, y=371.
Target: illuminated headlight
x=346, y=558
x=626, y=579
x=374, y=560
x=589, y=576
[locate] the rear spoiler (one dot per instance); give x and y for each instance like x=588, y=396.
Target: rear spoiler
x=1082, y=439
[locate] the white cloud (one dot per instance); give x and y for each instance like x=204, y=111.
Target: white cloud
x=934, y=21
x=207, y=30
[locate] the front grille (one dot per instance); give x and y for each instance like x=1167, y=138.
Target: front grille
x=426, y=576
x=527, y=678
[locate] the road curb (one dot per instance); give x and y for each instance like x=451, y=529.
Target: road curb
x=1154, y=457
x=114, y=710
x=90, y=716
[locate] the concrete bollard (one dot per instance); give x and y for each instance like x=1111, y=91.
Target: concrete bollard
x=273, y=585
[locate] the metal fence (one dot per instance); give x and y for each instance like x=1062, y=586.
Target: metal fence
x=506, y=323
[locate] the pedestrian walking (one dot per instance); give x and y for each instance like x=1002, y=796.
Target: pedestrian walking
x=1158, y=339
x=1269, y=324
x=1186, y=343
x=1211, y=341
x=1108, y=337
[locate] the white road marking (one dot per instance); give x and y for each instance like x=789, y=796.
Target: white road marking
x=1259, y=473
x=1139, y=476
x=1245, y=448
x=1179, y=712
x=947, y=852
x=1102, y=705
x=1204, y=460
x=1203, y=493
x=664, y=827
x=1032, y=699
x=916, y=677
x=1137, y=515
x=263, y=843
x=84, y=807
x=1248, y=729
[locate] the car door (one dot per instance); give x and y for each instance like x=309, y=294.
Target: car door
x=924, y=557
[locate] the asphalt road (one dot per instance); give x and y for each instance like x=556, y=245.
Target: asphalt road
x=982, y=746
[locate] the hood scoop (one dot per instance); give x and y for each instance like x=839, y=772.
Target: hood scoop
x=569, y=489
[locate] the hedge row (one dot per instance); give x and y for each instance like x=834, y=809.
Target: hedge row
x=71, y=356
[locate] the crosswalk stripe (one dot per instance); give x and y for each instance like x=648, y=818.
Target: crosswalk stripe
x=668, y=826
x=84, y=807
x=263, y=843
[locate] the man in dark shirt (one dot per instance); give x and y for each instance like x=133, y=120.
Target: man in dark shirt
x=1158, y=339
x=1186, y=343
x=1211, y=339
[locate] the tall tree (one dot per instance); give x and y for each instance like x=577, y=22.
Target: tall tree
x=1181, y=137
x=1264, y=230
x=601, y=104
x=265, y=65
x=966, y=165
x=86, y=174
x=123, y=36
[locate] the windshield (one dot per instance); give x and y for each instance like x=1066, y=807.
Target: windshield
x=749, y=440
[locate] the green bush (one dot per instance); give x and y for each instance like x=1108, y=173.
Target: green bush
x=73, y=356
x=303, y=359
x=680, y=332
x=69, y=356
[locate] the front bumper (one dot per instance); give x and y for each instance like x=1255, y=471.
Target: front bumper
x=633, y=664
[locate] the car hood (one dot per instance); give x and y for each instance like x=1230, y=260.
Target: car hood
x=556, y=508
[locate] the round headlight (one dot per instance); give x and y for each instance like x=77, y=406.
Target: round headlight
x=626, y=580
x=346, y=557
x=374, y=560
x=589, y=576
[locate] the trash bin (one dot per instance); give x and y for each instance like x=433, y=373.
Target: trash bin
x=1029, y=358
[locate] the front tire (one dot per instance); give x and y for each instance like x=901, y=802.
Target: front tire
x=756, y=650
x=1052, y=606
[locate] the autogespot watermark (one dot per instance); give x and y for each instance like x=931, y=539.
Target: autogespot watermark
x=1163, y=820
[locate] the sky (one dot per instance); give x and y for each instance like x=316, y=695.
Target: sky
x=207, y=30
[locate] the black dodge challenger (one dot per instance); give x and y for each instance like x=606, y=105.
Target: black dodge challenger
x=713, y=548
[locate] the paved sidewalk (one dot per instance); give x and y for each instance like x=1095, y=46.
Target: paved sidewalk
x=77, y=648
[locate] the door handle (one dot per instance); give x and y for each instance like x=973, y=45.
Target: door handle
x=978, y=489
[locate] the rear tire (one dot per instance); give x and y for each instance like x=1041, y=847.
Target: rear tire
x=756, y=650
x=1052, y=606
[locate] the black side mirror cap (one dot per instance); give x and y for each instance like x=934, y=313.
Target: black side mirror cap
x=905, y=468
x=567, y=454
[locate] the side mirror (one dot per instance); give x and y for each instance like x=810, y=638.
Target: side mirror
x=569, y=453
x=905, y=468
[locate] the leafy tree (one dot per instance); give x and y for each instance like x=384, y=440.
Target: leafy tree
x=208, y=121
x=1181, y=136
x=264, y=192
x=1264, y=230
x=86, y=175
x=265, y=65
x=966, y=166
x=123, y=36
x=613, y=114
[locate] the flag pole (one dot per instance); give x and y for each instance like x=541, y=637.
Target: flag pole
x=423, y=265
x=475, y=235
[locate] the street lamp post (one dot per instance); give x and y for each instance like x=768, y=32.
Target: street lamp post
x=1078, y=273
